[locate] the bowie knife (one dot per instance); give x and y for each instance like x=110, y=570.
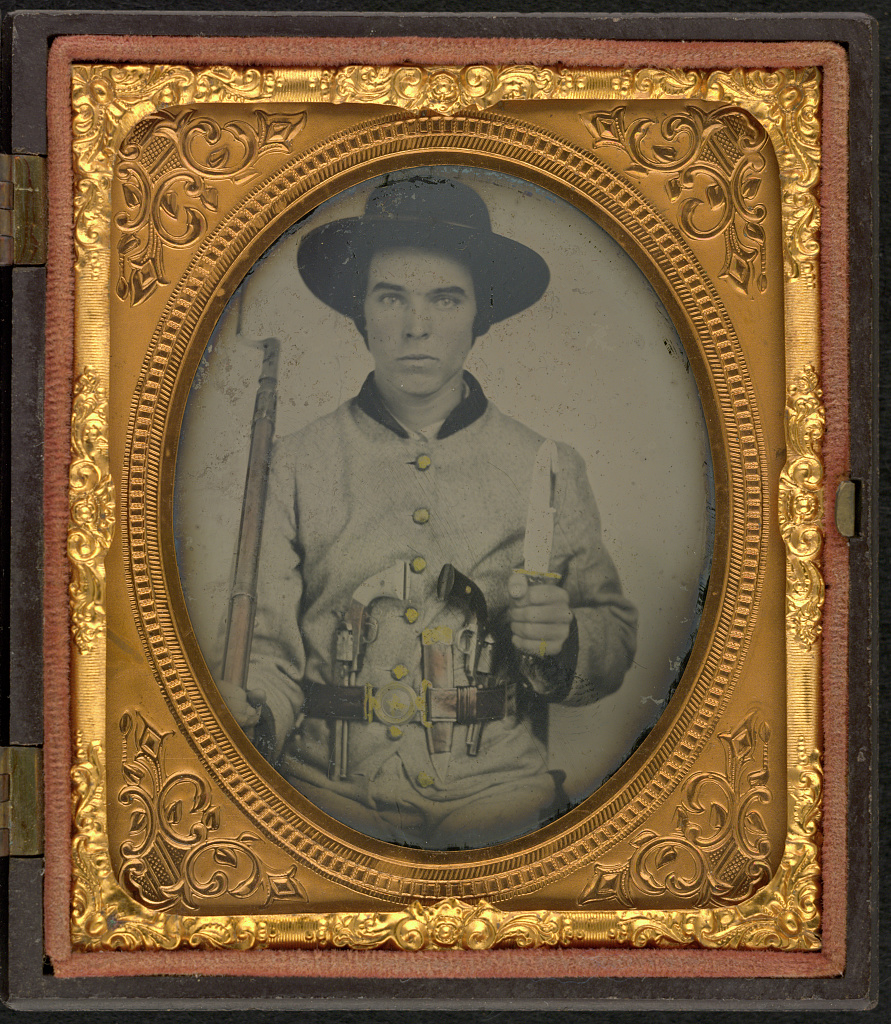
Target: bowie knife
x=540, y=516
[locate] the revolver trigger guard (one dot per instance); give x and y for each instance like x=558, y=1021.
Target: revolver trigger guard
x=370, y=630
x=464, y=642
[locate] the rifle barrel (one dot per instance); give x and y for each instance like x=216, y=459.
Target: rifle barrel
x=243, y=598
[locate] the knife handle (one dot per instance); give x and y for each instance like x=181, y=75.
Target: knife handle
x=530, y=661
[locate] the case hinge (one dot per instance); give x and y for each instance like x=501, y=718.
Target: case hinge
x=847, y=508
x=23, y=206
x=21, y=801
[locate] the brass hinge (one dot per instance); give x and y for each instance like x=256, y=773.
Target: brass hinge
x=22, y=210
x=847, y=508
x=21, y=801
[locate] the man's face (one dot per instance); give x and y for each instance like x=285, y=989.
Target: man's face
x=420, y=309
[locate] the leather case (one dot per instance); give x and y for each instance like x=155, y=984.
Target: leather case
x=45, y=967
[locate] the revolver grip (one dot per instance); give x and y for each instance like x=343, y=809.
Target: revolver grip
x=454, y=587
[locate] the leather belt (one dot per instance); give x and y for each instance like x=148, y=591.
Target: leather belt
x=396, y=703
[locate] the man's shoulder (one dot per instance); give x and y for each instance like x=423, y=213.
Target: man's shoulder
x=515, y=447
x=525, y=439
x=511, y=430
x=319, y=435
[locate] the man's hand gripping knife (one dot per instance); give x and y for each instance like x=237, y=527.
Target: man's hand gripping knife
x=541, y=618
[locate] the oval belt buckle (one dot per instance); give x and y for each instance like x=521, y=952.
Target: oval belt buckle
x=394, y=703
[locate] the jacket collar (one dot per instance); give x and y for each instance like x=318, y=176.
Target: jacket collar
x=467, y=411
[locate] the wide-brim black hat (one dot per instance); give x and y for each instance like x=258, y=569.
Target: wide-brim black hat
x=441, y=215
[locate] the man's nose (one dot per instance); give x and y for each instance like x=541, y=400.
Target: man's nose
x=417, y=320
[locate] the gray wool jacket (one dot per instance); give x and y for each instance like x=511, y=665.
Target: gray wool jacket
x=343, y=504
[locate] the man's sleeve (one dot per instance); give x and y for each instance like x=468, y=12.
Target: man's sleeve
x=277, y=653
x=605, y=620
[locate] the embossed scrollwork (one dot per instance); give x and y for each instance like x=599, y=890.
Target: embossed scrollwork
x=91, y=502
x=104, y=99
x=786, y=914
x=667, y=83
x=783, y=915
x=719, y=851
x=787, y=102
x=222, y=84
x=108, y=102
x=445, y=89
x=449, y=924
x=801, y=507
x=714, y=164
x=103, y=915
x=167, y=169
x=171, y=854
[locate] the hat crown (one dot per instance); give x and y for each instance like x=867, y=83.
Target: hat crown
x=436, y=214
x=429, y=201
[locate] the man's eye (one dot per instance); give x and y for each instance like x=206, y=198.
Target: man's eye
x=390, y=299
x=446, y=302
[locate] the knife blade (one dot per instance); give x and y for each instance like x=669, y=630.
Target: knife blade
x=539, y=537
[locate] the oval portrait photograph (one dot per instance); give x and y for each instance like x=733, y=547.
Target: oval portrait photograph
x=444, y=507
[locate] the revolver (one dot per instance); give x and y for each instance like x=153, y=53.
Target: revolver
x=356, y=629
x=475, y=641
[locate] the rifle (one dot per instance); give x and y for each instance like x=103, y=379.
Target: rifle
x=243, y=598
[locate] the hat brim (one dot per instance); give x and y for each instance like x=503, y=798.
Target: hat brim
x=333, y=261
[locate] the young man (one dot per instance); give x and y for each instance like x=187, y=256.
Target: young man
x=405, y=695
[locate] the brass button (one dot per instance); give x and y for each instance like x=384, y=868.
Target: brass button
x=425, y=780
x=423, y=462
x=399, y=671
x=418, y=564
x=395, y=732
x=421, y=515
x=411, y=614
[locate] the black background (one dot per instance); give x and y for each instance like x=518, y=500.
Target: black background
x=880, y=11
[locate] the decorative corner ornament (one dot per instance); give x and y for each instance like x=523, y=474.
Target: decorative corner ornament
x=172, y=854
x=108, y=101
x=783, y=915
x=712, y=162
x=169, y=170
x=103, y=915
x=719, y=852
x=786, y=102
